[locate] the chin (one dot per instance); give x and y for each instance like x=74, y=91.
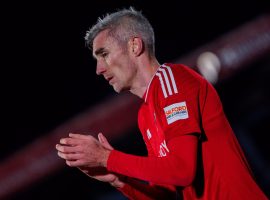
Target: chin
x=119, y=89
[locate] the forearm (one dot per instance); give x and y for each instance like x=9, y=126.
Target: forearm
x=153, y=169
x=137, y=190
x=178, y=168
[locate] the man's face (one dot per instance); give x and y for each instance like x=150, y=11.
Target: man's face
x=113, y=62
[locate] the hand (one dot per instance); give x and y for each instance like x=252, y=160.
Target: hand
x=79, y=143
x=101, y=173
x=83, y=151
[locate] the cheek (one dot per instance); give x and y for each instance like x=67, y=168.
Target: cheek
x=120, y=72
x=120, y=65
x=115, y=57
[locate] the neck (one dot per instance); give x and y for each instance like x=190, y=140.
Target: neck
x=146, y=71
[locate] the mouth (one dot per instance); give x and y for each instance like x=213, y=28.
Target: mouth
x=109, y=79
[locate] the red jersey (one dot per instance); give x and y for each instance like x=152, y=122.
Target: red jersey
x=179, y=102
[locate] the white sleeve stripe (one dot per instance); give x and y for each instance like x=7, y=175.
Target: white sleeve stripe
x=162, y=84
x=172, y=78
x=166, y=80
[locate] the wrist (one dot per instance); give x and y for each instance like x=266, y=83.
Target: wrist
x=105, y=158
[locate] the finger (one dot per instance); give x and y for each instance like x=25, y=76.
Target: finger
x=70, y=141
x=79, y=136
x=67, y=149
x=69, y=156
x=100, y=138
x=83, y=169
x=75, y=163
x=103, y=140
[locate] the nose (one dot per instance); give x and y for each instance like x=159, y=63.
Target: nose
x=100, y=68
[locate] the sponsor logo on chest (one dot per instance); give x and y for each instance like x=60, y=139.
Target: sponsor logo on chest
x=176, y=112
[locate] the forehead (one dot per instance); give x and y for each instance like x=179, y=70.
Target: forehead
x=102, y=40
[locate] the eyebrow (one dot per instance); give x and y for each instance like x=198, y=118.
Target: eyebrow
x=98, y=52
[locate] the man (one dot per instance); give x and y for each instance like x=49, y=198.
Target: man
x=192, y=150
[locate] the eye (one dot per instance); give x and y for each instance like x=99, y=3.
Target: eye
x=104, y=54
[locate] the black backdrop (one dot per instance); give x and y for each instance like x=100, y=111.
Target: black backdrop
x=49, y=74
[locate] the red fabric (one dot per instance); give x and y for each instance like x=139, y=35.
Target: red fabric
x=137, y=190
x=178, y=103
x=178, y=168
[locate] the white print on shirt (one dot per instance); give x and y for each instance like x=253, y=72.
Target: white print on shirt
x=167, y=81
x=149, y=135
x=163, y=149
x=176, y=112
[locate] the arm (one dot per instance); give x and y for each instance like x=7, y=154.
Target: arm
x=135, y=189
x=184, y=145
x=138, y=190
x=178, y=168
x=130, y=187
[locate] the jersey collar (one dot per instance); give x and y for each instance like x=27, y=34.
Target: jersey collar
x=147, y=89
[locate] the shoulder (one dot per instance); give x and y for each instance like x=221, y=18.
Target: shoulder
x=174, y=78
x=182, y=71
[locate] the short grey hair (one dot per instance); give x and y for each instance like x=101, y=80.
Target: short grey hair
x=122, y=25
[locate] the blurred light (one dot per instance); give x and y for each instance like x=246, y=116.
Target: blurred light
x=209, y=66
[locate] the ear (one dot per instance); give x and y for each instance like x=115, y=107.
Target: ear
x=136, y=46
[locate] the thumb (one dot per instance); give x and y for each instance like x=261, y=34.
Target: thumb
x=102, y=139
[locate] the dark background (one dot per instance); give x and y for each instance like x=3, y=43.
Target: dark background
x=48, y=76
